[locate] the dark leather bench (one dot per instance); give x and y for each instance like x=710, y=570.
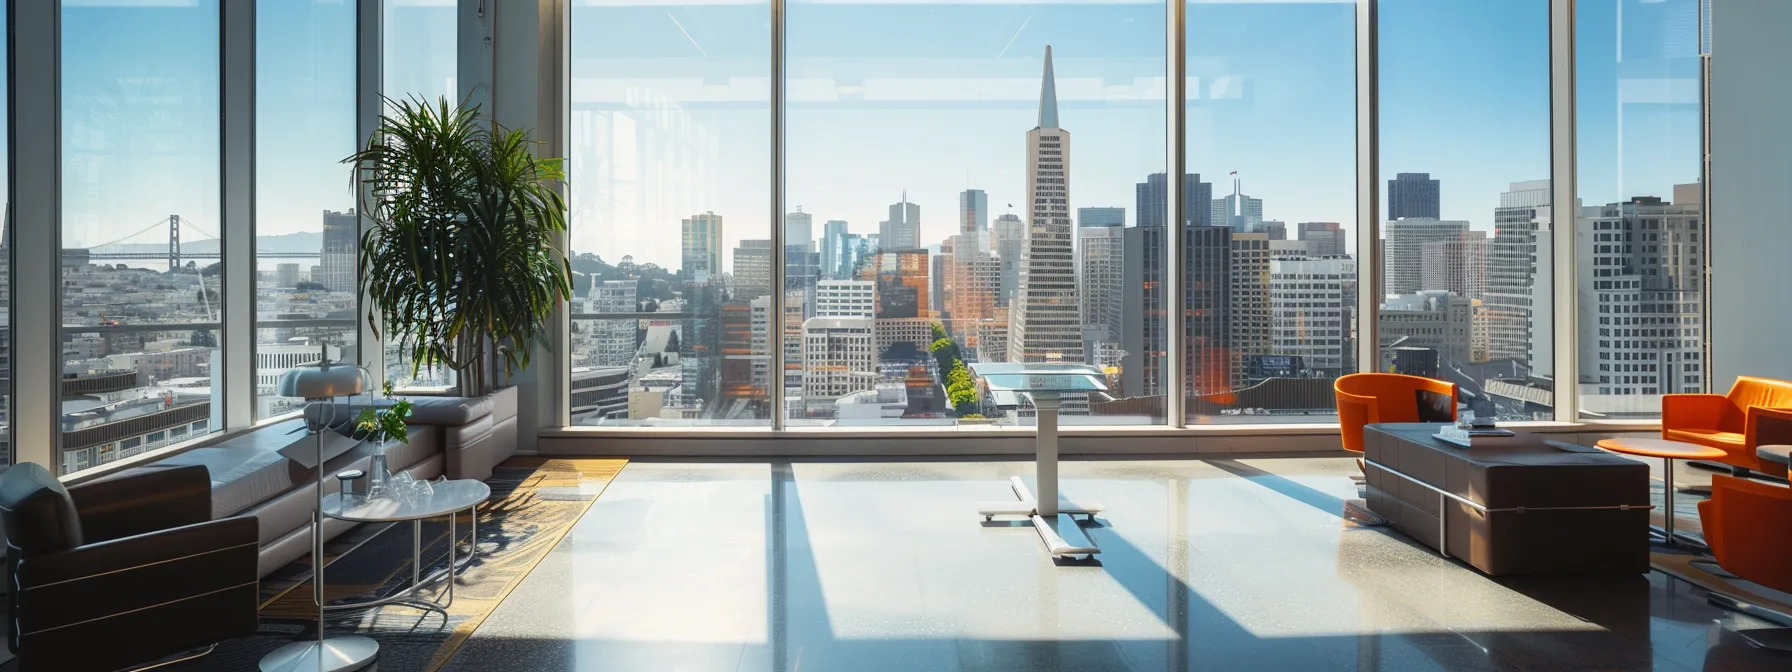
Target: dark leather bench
x=1530, y=507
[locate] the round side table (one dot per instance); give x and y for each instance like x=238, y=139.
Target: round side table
x=1668, y=451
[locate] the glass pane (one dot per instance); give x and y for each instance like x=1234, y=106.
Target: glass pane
x=971, y=165
x=1638, y=235
x=670, y=190
x=1269, y=270
x=1467, y=293
x=420, y=59
x=140, y=204
x=305, y=227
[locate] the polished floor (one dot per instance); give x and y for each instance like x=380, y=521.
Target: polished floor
x=1212, y=565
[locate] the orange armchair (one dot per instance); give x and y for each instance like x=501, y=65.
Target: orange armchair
x=1366, y=398
x=1741, y=521
x=1757, y=412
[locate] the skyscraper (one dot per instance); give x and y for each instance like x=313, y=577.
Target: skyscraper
x=1403, y=269
x=833, y=247
x=1153, y=200
x=1310, y=303
x=1642, y=298
x=1456, y=266
x=801, y=262
x=1045, y=321
x=1237, y=211
x=341, y=243
x=702, y=243
x=973, y=217
x=799, y=229
x=902, y=231
x=1087, y=217
x=1518, y=298
x=753, y=269
x=1099, y=263
x=902, y=284
x=613, y=341
x=1324, y=239
x=1413, y=195
x=1010, y=235
x=1248, y=311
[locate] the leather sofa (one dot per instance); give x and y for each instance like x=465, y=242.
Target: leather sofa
x=122, y=571
x=262, y=474
x=1756, y=412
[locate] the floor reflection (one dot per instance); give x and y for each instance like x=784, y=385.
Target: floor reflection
x=1228, y=564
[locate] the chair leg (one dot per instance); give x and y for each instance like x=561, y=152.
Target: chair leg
x=1739, y=472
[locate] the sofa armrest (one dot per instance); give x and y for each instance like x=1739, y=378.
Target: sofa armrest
x=1692, y=411
x=119, y=576
x=1767, y=427
x=143, y=500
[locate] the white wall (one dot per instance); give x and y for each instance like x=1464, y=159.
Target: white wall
x=1751, y=187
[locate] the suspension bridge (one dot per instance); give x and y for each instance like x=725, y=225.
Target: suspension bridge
x=173, y=224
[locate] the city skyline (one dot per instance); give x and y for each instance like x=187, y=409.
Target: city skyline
x=1272, y=73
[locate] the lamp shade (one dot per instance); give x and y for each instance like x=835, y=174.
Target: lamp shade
x=322, y=381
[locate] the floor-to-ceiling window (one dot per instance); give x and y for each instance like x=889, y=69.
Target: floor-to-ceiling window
x=1467, y=230
x=670, y=198
x=305, y=223
x=1269, y=272
x=141, y=294
x=961, y=186
x=419, y=55
x=1639, y=229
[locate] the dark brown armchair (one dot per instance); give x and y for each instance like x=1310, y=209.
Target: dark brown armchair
x=122, y=571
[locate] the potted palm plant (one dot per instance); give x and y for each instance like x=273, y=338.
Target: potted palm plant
x=462, y=265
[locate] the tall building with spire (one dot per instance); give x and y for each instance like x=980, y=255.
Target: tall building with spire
x=1045, y=322
x=1236, y=210
x=902, y=231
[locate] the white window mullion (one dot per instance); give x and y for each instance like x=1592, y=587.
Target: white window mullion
x=237, y=82
x=35, y=71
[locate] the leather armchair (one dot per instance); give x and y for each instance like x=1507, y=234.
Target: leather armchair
x=1756, y=412
x=123, y=571
x=1743, y=523
x=1369, y=398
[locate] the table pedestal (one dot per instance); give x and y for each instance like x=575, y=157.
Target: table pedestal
x=1052, y=517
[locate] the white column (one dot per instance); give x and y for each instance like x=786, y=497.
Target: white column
x=1176, y=111
x=1563, y=213
x=238, y=328
x=1749, y=230
x=528, y=92
x=36, y=228
x=1368, y=185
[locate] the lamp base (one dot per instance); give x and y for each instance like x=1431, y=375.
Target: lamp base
x=340, y=654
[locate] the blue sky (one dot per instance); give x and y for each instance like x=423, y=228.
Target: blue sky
x=671, y=106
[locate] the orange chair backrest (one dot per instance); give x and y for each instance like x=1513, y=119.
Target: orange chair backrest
x=1752, y=545
x=1749, y=391
x=1395, y=393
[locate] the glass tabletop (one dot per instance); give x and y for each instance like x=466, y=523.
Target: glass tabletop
x=448, y=497
x=1037, y=377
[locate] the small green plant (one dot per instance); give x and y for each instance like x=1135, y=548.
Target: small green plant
x=385, y=425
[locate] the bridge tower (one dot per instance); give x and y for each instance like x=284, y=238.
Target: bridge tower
x=173, y=242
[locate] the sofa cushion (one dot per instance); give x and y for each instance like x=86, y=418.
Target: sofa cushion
x=1705, y=437
x=241, y=476
x=449, y=410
